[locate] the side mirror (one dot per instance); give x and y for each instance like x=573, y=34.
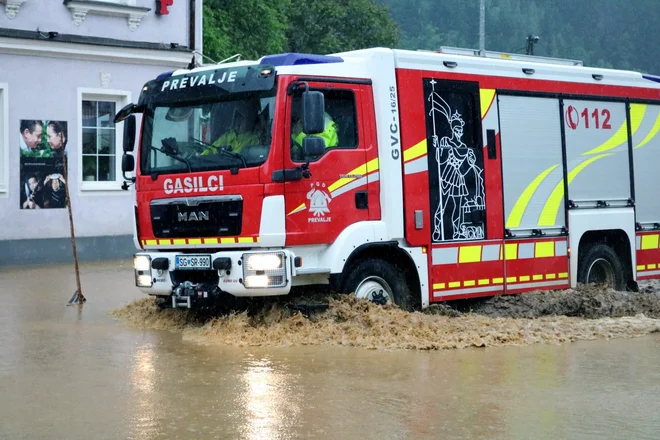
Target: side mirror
x=313, y=146
x=313, y=112
x=125, y=112
x=129, y=133
x=127, y=163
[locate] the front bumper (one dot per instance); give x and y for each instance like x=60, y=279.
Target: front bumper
x=242, y=274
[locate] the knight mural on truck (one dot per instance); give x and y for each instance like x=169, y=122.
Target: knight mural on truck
x=459, y=178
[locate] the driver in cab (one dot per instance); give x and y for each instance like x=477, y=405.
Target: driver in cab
x=329, y=134
x=237, y=138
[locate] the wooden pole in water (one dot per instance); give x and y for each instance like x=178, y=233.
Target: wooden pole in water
x=77, y=296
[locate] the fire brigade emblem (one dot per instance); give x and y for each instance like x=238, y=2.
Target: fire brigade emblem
x=318, y=200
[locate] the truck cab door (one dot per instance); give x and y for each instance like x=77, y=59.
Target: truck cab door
x=334, y=193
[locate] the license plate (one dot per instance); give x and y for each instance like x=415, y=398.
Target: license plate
x=193, y=262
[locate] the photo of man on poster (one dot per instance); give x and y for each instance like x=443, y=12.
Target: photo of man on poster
x=43, y=146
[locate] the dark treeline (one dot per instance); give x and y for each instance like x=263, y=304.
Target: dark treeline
x=604, y=33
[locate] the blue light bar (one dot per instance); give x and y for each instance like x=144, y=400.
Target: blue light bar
x=164, y=75
x=652, y=78
x=294, y=59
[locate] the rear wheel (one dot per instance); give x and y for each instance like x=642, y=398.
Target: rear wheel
x=599, y=264
x=380, y=282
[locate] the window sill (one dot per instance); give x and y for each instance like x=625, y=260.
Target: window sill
x=12, y=7
x=80, y=8
x=98, y=187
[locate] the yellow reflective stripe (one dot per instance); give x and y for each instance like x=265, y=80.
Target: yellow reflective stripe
x=298, y=209
x=651, y=134
x=650, y=241
x=484, y=282
x=194, y=241
x=439, y=286
x=516, y=215
x=469, y=254
x=454, y=284
x=537, y=277
x=641, y=267
x=551, y=208
x=524, y=278
x=151, y=242
x=417, y=150
x=563, y=275
x=551, y=276
x=652, y=266
x=210, y=241
x=487, y=96
x=636, y=115
x=544, y=249
x=511, y=251
x=179, y=241
x=498, y=280
x=511, y=279
x=363, y=169
x=469, y=283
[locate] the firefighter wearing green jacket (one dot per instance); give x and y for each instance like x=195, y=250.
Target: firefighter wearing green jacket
x=237, y=141
x=329, y=135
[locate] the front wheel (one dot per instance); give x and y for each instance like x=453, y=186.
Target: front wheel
x=599, y=264
x=381, y=283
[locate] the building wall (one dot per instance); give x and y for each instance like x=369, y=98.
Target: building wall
x=47, y=79
x=55, y=16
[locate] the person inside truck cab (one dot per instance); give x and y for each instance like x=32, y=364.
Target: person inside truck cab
x=252, y=131
x=329, y=135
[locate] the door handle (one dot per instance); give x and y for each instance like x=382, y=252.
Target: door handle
x=492, y=147
x=361, y=199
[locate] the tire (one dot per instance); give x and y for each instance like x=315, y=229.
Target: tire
x=600, y=264
x=374, y=276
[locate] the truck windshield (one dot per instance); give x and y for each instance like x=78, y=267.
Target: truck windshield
x=234, y=132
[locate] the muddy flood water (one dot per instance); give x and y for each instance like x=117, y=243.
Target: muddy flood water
x=119, y=368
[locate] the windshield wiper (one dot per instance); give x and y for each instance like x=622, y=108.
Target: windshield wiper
x=170, y=149
x=227, y=152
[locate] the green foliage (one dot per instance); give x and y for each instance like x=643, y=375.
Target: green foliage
x=327, y=26
x=256, y=27
x=603, y=33
x=249, y=27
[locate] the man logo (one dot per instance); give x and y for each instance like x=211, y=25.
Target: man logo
x=194, y=216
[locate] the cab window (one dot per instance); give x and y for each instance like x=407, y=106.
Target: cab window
x=340, y=123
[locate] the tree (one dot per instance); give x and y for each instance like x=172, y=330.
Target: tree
x=327, y=26
x=249, y=27
x=255, y=28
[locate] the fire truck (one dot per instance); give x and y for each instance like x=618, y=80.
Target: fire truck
x=405, y=177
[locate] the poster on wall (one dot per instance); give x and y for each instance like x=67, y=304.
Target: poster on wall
x=43, y=146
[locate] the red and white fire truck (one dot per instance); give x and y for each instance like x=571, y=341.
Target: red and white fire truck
x=453, y=174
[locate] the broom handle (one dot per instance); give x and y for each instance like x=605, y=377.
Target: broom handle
x=73, y=236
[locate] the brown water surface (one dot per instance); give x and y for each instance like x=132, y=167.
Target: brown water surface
x=79, y=373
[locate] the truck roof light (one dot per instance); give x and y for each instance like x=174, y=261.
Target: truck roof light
x=164, y=75
x=293, y=59
x=652, y=78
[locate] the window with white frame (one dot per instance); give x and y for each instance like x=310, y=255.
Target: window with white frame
x=100, y=139
x=4, y=140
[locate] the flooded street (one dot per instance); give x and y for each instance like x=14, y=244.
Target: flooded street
x=80, y=373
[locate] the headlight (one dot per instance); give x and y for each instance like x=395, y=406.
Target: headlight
x=142, y=262
x=144, y=280
x=264, y=270
x=264, y=261
x=142, y=266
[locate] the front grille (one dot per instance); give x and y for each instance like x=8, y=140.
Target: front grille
x=197, y=217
